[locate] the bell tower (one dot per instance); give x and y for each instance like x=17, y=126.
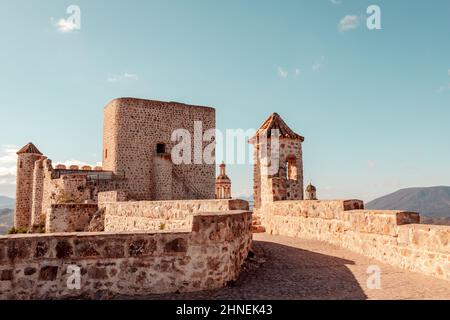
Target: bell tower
x=278, y=164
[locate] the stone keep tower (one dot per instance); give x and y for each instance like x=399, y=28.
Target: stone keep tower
x=138, y=141
x=27, y=157
x=223, y=184
x=278, y=164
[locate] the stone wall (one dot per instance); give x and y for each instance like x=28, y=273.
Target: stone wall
x=71, y=217
x=393, y=237
x=208, y=255
x=162, y=215
x=133, y=128
x=112, y=196
x=47, y=186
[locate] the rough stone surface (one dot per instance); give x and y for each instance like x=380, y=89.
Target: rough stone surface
x=162, y=215
x=132, y=130
x=127, y=264
x=72, y=217
x=394, y=237
x=285, y=268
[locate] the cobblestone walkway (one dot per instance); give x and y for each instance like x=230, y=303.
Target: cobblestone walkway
x=290, y=268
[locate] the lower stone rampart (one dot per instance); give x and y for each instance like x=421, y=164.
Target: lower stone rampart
x=393, y=237
x=207, y=255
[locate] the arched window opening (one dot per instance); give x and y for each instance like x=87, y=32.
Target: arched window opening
x=292, y=170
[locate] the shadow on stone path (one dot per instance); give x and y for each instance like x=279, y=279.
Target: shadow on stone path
x=283, y=272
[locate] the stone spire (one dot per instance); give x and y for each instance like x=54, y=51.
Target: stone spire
x=223, y=184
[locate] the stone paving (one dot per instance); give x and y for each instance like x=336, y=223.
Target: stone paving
x=290, y=268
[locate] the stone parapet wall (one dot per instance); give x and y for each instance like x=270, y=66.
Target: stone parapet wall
x=162, y=215
x=393, y=237
x=71, y=217
x=206, y=256
x=112, y=196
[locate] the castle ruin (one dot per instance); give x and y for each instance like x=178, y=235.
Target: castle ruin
x=142, y=224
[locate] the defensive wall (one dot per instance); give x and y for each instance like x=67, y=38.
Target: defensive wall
x=393, y=237
x=207, y=254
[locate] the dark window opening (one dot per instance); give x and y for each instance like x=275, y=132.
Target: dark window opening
x=106, y=154
x=292, y=170
x=160, y=148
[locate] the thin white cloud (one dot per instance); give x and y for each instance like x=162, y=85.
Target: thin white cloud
x=122, y=77
x=282, y=73
x=8, y=164
x=297, y=72
x=348, y=22
x=78, y=163
x=371, y=164
x=63, y=25
x=318, y=64
x=335, y=1
x=443, y=88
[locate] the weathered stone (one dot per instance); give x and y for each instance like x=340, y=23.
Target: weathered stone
x=128, y=263
x=114, y=251
x=63, y=249
x=48, y=273
x=19, y=249
x=41, y=249
x=97, y=273
x=28, y=271
x=87, y=248
x=178, y=245
x=141, y=247
x=6, y=275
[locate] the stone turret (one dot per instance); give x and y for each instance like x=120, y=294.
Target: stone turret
x=26, y=159
x=278, y=164
x=223, y=184
x=311, y=192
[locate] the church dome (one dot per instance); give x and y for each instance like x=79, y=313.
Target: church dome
x=310, y=188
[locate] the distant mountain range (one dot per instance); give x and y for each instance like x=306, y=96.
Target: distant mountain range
x=6, y=213
x=432, y=202
x=7, y=203
x=6, y=220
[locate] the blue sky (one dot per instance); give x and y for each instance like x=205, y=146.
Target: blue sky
x=373, y=105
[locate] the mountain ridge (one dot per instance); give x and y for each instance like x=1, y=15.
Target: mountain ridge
x=428, y=201
x=7, y=202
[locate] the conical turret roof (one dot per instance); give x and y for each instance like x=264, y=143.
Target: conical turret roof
x=274, y=122
x=29, y=148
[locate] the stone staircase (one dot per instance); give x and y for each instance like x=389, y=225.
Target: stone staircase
x=256, y=224
x=194, y=192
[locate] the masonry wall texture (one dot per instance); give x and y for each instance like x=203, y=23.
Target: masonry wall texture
x=162, y=215
x=24, y=188
x=132, y=130
x=393, y=237
x=72, y=217
x=208, y=255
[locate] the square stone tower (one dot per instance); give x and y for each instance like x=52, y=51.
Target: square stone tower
x=137, y=145
x=278, y=164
